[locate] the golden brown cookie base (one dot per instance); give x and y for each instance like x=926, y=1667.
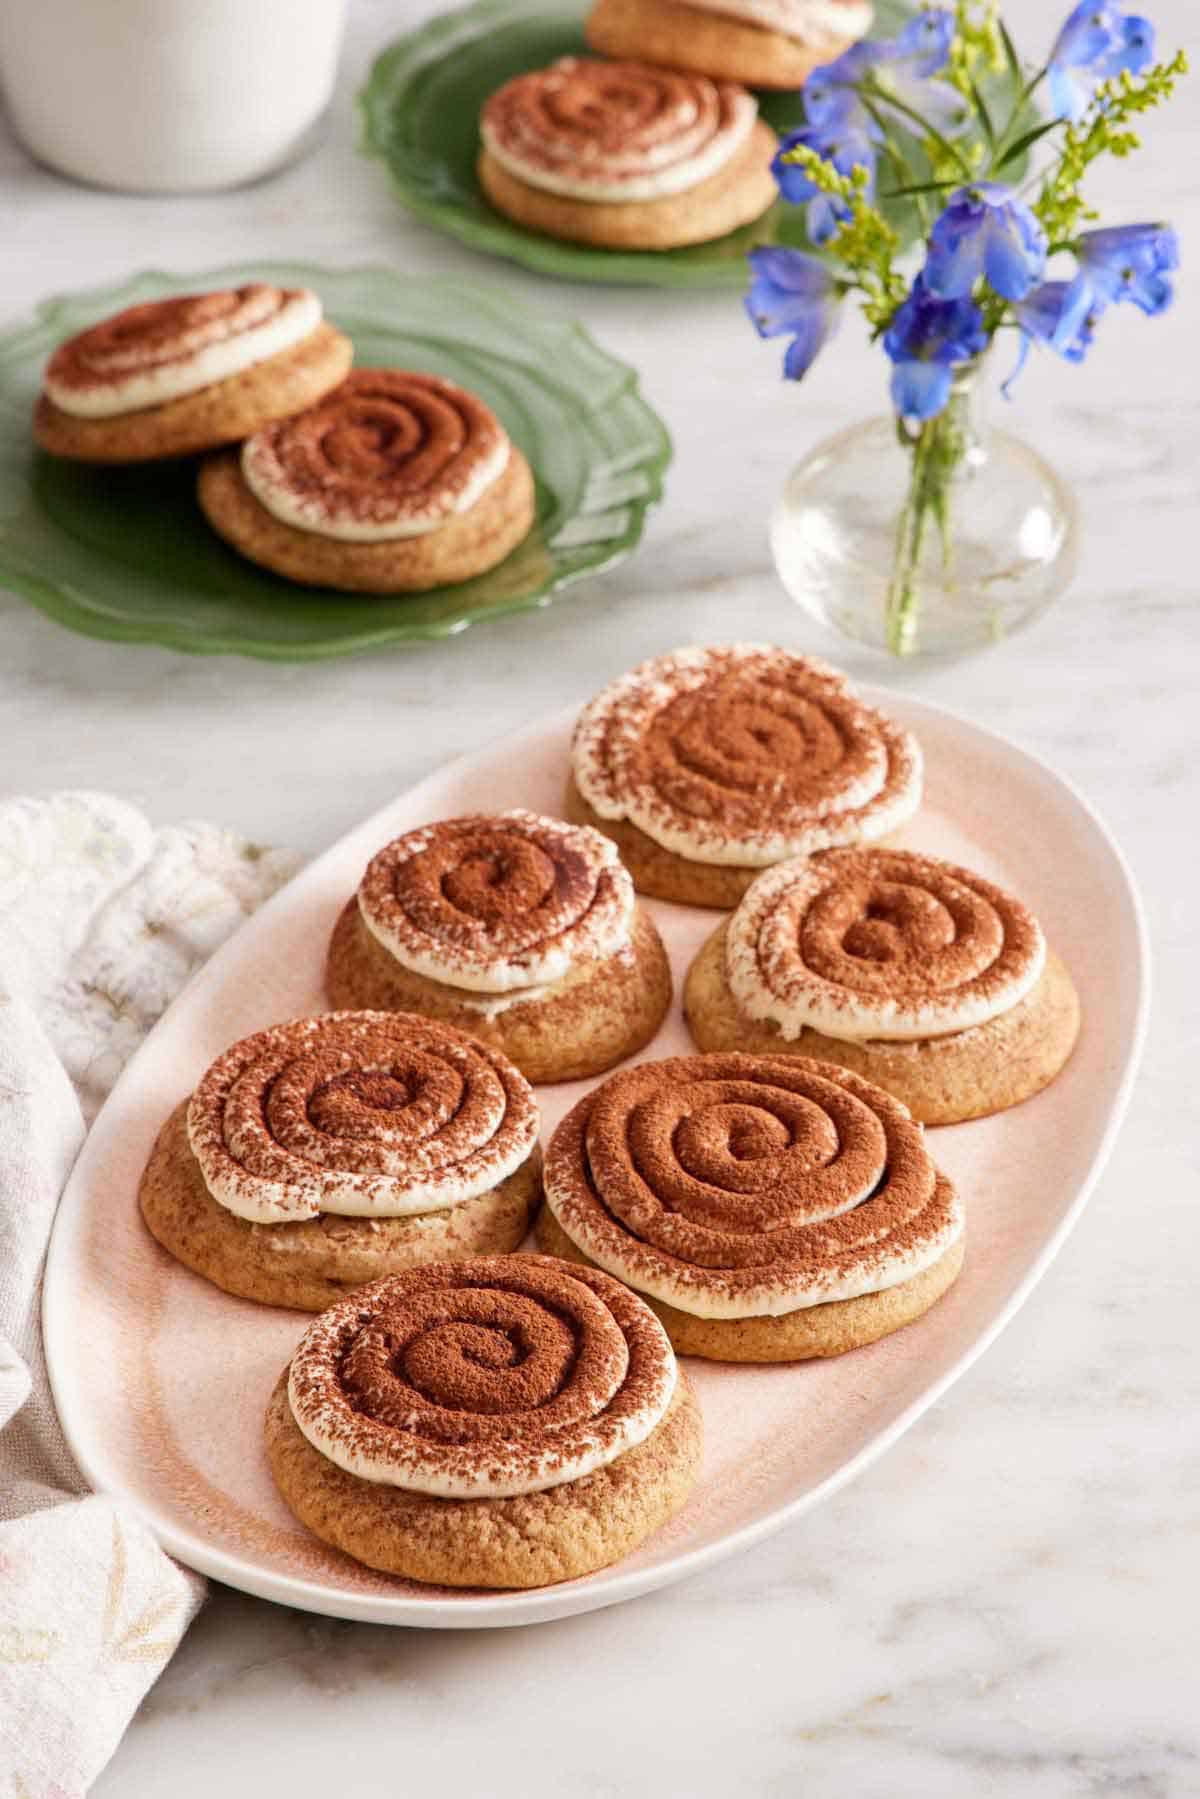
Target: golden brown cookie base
x=591, y=1022
x=801, y=1336
x=532, y=1540
x=659, y=872
x=310, y=1264
x=224, y=413
x=467, y=545
x=686, y=37
x=942, y=1080
x=743, y=190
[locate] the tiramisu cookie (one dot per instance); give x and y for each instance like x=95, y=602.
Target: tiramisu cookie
x=918, y=974
x=172, y=377
x=623, y=156
x=324, y=1153
x=765, y=43
x=519, y=929
x=394, y=483
x=708, y=765
x=507, y=1422
x=768, y=1209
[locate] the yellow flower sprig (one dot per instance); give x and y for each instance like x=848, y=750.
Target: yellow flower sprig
x=1102, y=131
x=864, y=243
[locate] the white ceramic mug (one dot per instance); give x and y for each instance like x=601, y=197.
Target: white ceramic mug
x=168, y=96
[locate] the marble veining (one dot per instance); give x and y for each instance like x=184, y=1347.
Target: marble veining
x=1004, y=1606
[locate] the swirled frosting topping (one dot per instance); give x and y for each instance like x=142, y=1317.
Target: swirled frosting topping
x=615, y=131
x=880, y=944
x=742, y=755
x=736, y=1186
x=369, y=1114
x=498, y=902
x=164, y=349
x=819, y=24
x=482, y=1379
x=388, y=454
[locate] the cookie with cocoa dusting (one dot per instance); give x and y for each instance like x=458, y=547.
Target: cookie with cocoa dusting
x=503, y=1423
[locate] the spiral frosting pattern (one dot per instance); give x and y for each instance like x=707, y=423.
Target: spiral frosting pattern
x=881, y=944
x=164, y=349
x=615, y=131
x=735, y=1186
x=483, y=1379
x=368, y=1114
x=742, y=755
x=498, y=902
x=388, y=454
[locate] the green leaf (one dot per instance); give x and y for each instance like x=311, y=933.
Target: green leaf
x=1025, y=142
x=985, y=117
x=1011, y=57
x=927, y=130
x=922, y=187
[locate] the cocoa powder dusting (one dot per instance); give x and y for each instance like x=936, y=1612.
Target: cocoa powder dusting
x=742, y=745
x=494, y=900
x=502, y=1370
x=158, y=332
x=740, y=1175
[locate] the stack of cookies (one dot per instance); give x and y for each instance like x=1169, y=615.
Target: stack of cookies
x=467, y=1413
x=361, y=480
x=662, y=145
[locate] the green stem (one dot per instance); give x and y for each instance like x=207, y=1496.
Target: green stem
x=903, y=599
x=883, y=97
x=937, y=450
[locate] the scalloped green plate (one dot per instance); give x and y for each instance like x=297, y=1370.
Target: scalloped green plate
x=126, y=554
x=420, y=111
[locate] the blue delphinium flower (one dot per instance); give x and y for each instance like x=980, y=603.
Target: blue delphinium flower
x=910, y=63
x=1129, y=262
x=793, y=295
x=985, y=230
x=1099, y=40
x=1041, y=315
x=830, y=100
x=903, y=66
x=927, y=338
x=846, y=149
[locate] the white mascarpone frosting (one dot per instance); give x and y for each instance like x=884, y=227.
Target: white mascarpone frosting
x=389, y=454
x=482, y=1379
x=165, y=349
x=733, y=1186
x=365, y=1114
x=742, y=755
x=501, y=906
x=820, y=24
x=616, y=131
x=880, y=945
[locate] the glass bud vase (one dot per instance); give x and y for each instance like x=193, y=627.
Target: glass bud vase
x=929, y=539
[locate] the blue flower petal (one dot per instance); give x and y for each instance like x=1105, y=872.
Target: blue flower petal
x=1051, y=315
x=788, y=289
x=1007, y=385
x=1014, y=258
x=926, y=40
x=1099, y=40
x=985, y=229
x=920, y=390
x=954, y=263
x=1077, y=302
x=823, y=218
x=807, y=344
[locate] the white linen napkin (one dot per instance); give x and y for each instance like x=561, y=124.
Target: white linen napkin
x=102, y=919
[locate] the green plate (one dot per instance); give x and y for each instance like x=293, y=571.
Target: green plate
x=420, y=115
x=125, y=553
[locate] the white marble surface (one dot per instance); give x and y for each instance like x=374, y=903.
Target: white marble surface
x=1006, y=1604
